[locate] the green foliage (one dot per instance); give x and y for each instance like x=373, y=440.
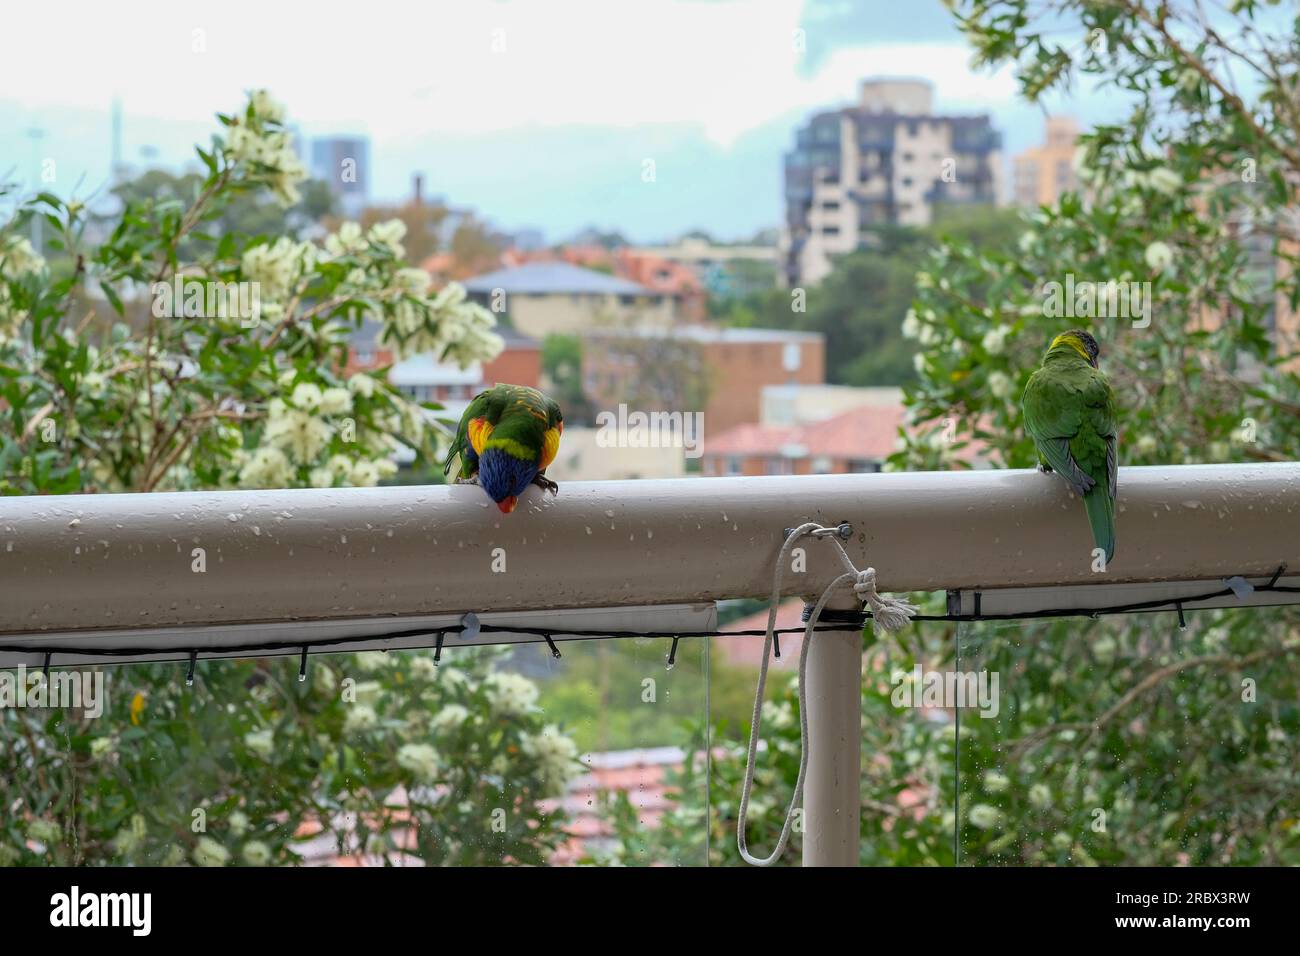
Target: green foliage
x=222, y=363
x=246, y=213
x=1134, y=743
x=599, y=692
x=859, y=306
x=1121, y=741
x=384, y=754
x=562, y=365
x=907, y=779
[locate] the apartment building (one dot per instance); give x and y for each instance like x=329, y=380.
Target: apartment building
x=1042, y=173
x=888, y=159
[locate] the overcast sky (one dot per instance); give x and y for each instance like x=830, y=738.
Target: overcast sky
x=535, y=112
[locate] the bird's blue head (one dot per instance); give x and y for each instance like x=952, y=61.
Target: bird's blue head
x=504, y=477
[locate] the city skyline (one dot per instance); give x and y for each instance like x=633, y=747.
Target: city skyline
x=556, y=130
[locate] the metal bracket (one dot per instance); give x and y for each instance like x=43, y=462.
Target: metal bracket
x=843, y=530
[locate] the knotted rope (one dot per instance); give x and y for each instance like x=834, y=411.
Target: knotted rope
x=890, y=614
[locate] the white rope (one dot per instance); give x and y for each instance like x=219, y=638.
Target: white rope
x=889, y=614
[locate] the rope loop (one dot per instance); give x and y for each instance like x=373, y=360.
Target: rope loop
x=890, y=614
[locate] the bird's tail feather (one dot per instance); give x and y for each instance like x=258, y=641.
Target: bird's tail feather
x=1101, y=517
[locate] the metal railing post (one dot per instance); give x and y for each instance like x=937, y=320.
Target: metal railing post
x=833, y=788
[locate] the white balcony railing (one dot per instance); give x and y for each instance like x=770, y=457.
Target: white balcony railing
x=168, y=574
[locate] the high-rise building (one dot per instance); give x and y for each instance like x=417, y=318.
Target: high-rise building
x=889, y=159
x=343, y=164
x=1043, y=173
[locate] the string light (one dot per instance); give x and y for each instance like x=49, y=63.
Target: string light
x=830, y=620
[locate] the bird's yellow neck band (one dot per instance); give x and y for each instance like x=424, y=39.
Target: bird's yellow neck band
x=1066, y=338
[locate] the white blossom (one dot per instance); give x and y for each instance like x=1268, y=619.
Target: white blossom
x=510, y=695
x=336, y=401
x=556, y=755
x=208, y=852
x=1158, y=255
x=348, y=240
x=260, y=742
x=361, y=384
x=994, y=340
x=360, y=717
x=388, y=234
x=18, y=258
x=449, y=718
x=256, y=853
x=421, y=760
x=267, y=467
x=985, y=817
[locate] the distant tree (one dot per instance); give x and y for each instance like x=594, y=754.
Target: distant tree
x=423, y=225
x=591, y=236
x=860, y=306
x=562, y=366
x=249, y=212
x=474, y=248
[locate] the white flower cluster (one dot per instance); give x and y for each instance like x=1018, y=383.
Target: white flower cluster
x=17, y=259
x=510, y=695
x=448, y=325
x=260, y=742
x=208, y=852
x=256, y=853
x=299, y=430
x=449, y=718
x=260, y=142
x=421, y=760
x=556, y=756
x=128, y=839
x=995, y=339
x=277, y=267
x=360, y=717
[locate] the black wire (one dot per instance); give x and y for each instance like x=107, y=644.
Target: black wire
x=850, y=621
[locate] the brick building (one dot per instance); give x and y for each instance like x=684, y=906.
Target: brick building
x=736, y=364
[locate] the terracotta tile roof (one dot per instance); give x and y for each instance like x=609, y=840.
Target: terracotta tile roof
x=750, y=439
x=748, y=651
x=868, y=432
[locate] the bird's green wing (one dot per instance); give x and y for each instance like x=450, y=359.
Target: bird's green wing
x=1070, y=414
x=1053, y=408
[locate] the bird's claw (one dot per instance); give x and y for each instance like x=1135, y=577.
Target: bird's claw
x=467, y=481
x=541, y=481
x=1044, y=468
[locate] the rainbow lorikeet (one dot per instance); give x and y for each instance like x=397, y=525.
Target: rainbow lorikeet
x=506, y=438
x=1070, y=414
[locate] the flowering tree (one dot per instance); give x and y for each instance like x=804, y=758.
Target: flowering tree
x=124, y=368
x=224, y=371
x=1127, y=740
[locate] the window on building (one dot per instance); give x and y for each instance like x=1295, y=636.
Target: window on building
x=791, y=357
x=732, y=464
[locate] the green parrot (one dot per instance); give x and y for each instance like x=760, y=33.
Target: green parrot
x=1070, y=414
x=506, y=438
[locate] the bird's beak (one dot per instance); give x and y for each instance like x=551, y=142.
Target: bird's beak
x=507, y=504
